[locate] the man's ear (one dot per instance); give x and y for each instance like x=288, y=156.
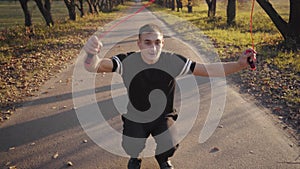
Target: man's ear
x=138, y=42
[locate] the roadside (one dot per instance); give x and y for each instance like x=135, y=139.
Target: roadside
x=46, y=133
x=273, y=88
x=25, y=66
x=27, y=63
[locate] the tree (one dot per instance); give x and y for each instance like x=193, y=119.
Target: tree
x=93, y=4
x=167, y=3
x=190, y=6
x=173, y=5
x=162, y=2
x=231, y=11
x=71, y=9
x=28, y=21
x=106, y=5
x=212, y=6
x=80, y=7
x=289, y=30
x=179, y=5
x=45, y=9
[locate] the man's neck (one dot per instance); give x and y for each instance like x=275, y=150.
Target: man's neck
x=149, y=62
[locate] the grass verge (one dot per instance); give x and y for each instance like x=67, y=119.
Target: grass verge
x=26, y=63
x=276, y=82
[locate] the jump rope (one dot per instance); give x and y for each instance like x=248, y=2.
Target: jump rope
x=249, y=59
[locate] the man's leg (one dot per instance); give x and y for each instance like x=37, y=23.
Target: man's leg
x=166, y=142
x=133, y=141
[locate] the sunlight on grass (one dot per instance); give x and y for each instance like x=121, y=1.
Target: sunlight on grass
x=276, y=82
x=27, y=62
x=238, y=36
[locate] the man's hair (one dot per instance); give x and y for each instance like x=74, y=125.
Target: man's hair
x=150, y=28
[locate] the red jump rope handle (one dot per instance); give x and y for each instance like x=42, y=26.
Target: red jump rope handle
x=250, y=61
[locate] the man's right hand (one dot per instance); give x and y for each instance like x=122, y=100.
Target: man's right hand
x=93, y=45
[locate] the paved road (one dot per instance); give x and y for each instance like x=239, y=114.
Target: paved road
x=46, y=133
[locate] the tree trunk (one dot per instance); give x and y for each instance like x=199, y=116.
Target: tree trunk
x=90, y=6
x=166, y=3
x=95, y=6
x=110, y=5
x=290, y=31
x=294, y=21
x=173, y=5
x=212, y=5
x=105, y=6
x=71, y=9
x=80, y=7
x=281, y=24
x=159, y=2
x=190, y=6
x=231, y=11
x=28, y=21
x=179, y=5
x=45, y=10
x=101, y=5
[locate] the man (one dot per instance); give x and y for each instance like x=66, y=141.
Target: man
x=150, y=112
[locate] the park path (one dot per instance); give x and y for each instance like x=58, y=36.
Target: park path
x=46, y=133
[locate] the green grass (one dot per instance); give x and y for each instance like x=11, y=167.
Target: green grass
x=276, y=82
x=12, y=13
x=26, y=63
x=265, y=34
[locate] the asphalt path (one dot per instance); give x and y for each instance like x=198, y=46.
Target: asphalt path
x=49, y=131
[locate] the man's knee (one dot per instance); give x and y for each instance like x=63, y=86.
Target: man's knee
x=133, y=146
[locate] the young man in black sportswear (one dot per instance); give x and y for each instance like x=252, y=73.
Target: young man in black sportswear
x=150, y=112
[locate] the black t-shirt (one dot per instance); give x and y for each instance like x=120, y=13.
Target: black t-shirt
x=141, y=81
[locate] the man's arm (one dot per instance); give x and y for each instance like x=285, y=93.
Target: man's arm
x=92, y=62
x=224, y=68
x=99, y=65
x=106, y=65
x=216, y=69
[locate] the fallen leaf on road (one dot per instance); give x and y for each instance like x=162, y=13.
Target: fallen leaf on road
x=214, y=150
x=55, y=155
x=8, y=163
x=12, y=167
x=69, y=163
x=64, y=107
x=12, y=148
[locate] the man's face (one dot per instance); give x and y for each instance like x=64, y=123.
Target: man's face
x=151, y=45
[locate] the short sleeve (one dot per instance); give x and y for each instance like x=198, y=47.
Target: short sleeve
x=117, y=62
x=117, y=65
x=188, y=66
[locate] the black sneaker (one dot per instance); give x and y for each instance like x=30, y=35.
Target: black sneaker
x=134, y=163
x=166, y=165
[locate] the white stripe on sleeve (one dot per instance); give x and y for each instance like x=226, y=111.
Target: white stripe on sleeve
x=119, y=68
x=186, y=68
